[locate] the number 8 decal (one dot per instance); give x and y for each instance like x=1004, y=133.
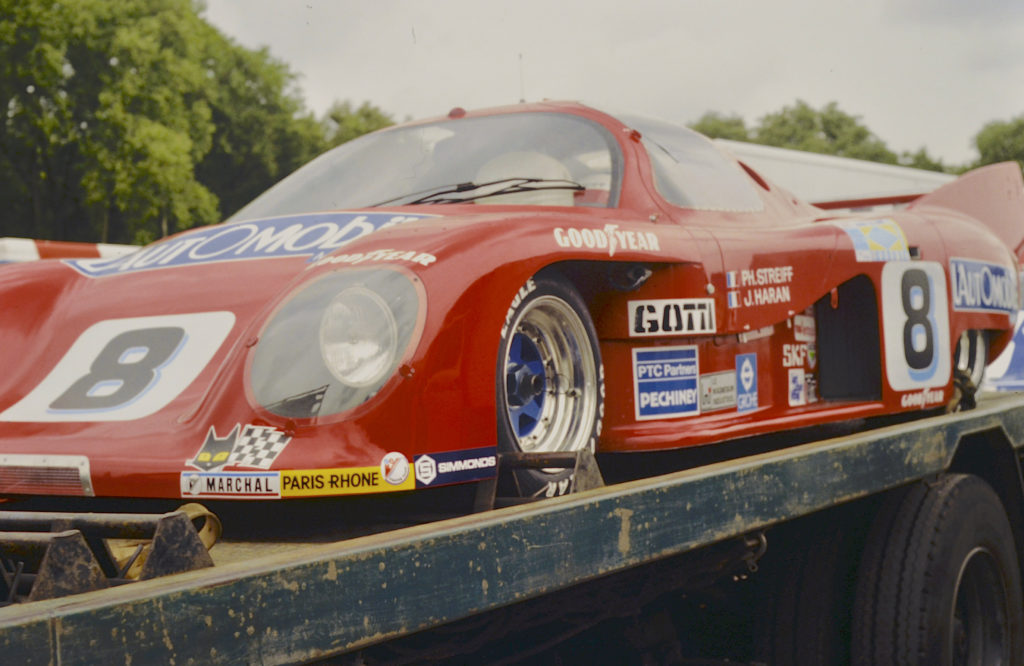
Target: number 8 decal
x=915, y=321
x=124, y=369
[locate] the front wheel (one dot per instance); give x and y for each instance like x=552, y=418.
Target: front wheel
x=549, y=380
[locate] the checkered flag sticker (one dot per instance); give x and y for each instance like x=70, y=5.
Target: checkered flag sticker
x=258, y=446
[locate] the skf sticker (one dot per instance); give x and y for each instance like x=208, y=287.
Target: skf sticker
x=665, y=382
x=231, y=485
x=746, y=382
x=877, y=240
x=979, y=286
x=438, y=469
x=672, y=316
x=255, y=446
x=313, y=235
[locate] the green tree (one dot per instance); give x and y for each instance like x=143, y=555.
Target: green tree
x=262, y=130
x=1001, y=141
x=344, y=122
x=830, y=131
x=922, y=160
x=719, y=126
x=131, y=120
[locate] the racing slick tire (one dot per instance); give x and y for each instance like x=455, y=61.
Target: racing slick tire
x=939, y=580
x=549, y=381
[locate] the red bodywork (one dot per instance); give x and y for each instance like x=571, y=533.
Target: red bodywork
x=787, y=286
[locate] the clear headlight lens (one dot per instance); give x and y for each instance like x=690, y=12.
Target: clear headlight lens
x=358, y=337
x=335, y=342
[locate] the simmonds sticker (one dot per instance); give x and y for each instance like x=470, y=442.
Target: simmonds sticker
x=312, y=235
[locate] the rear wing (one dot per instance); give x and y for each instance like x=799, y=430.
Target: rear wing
x=868, y=202
x=993, y=195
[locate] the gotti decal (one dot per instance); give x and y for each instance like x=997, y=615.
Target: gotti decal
x=672, y=316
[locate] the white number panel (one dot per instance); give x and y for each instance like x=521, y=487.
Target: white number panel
x=915, y=323
x=124, y=369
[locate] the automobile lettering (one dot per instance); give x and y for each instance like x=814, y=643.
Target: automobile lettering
x=340, y=481
x=304, y=235
x=982, y=286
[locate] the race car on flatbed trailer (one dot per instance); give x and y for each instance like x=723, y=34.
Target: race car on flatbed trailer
x=541, y=278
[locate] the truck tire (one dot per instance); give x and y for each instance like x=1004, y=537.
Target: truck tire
x=807, y=590
x=939, y=580
x=549, y=380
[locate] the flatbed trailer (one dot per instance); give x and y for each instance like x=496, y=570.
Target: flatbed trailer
x=439, y=590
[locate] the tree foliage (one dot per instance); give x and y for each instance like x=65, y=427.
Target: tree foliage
x=130, y=120
x=1001, y=141
x=828, y=130
x=344, y=122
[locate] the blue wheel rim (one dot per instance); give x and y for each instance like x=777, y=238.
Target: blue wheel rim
x=526, y=385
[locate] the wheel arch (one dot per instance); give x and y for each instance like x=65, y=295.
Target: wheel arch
x=988, y=454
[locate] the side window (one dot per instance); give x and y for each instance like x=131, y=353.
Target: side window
x=691, y=172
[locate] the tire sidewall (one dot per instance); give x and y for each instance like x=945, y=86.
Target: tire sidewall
x=535, y=482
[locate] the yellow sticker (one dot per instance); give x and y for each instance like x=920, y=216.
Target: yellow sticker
x=342, y=481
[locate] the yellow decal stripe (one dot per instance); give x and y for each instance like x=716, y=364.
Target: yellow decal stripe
x=342, y=481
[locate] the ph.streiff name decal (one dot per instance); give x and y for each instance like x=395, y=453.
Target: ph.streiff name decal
x=672, y=316
x=305, y=235
x=982, y=286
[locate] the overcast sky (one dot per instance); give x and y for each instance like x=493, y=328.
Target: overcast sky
x=917, y=72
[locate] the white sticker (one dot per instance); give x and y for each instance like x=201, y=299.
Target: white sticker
x=125, y=369
x=915, y=322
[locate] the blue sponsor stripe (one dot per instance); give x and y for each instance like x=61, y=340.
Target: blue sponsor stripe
x=313, y=235
x=981, y=286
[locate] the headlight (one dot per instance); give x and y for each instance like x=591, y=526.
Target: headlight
x=358, y=337
x=335, y=342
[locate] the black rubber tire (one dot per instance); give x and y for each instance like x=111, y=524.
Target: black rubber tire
x=808, y=588
x=939, y=581
x=564, y=314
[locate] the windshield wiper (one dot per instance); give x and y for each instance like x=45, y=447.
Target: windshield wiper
x=502, y=186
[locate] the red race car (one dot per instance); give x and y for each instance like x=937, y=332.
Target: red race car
x=539, y=278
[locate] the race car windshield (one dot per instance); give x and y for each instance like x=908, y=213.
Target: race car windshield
x=552, y=159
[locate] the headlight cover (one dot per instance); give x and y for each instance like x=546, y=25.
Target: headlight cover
x=334, y=343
